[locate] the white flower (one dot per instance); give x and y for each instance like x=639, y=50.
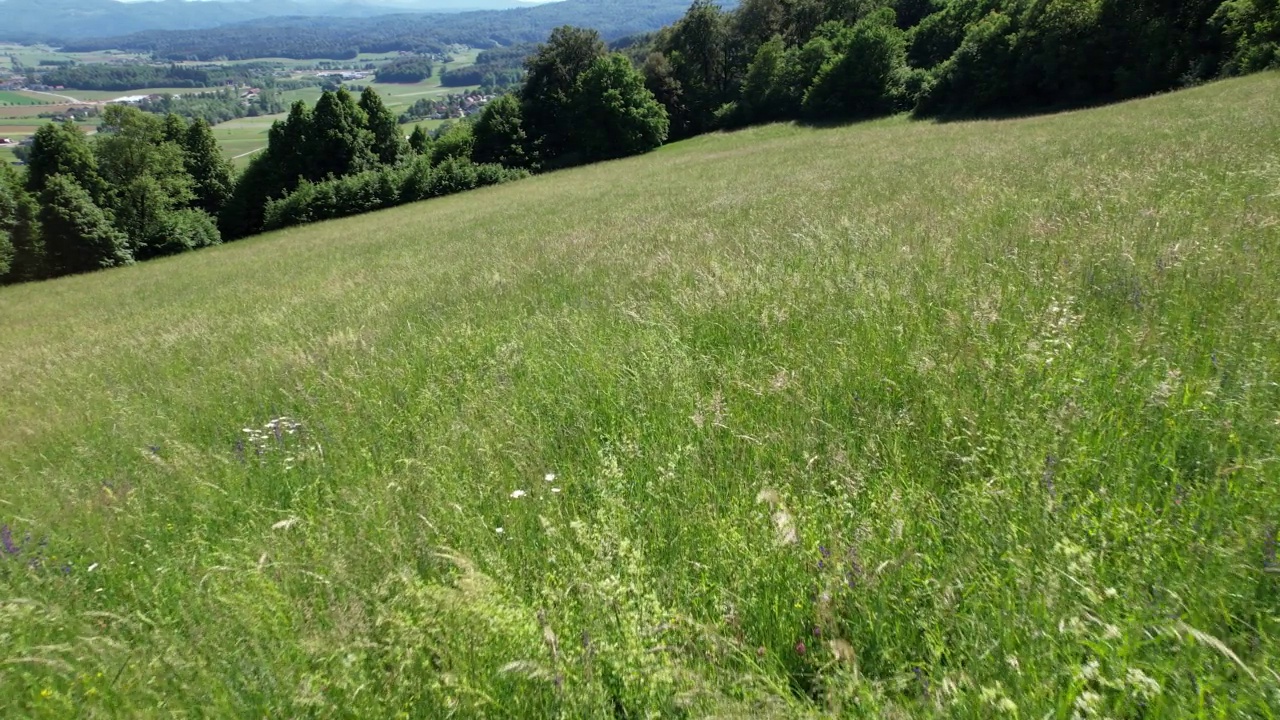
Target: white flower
x=555, y=490
x=550, y=477
x=500, y=531
x=518, y=494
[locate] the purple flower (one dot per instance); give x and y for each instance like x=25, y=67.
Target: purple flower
x=800, y=648
x=825, y=552
x=6, y=539
x=817, y=631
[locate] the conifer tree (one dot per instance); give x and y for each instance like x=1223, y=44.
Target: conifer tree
x=388, y=141
x=209, y=170
x=339, y=144
x=420, y=141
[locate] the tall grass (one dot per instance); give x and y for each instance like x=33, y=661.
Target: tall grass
x=891, y=420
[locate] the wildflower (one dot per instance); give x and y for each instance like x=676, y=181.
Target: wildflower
x=760, y=652
x=500, y=531
x=6, y=540
x=817, y=631
x=517, y=494
x=550, y=477
x=825, y=552
x=1087, y=704
x=555, y=490
x=800, y=648
x=1144, y=686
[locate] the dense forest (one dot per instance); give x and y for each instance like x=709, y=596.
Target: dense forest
x=101, y=76
x=148, y=186
x=406, y=70
x=40, y=21
x=342, y=38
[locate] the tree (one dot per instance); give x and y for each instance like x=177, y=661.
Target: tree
x=867, y=79
x=660, y=79
x=289, y=144
x=148, y=174
x=209, y=169
x=61, y=149
x=499, y=134
x=10, y=189
x=1251, y=30
x=978, y=78
x=339, y=143
x=452, y=141
x=617, y=115
x=698, y=49
x=78, y=237
x=257, y=184
x=420, y=141
x=549, y=88
x=767, y=90
x=28, y=261
x=175, y=128
x=388, y=140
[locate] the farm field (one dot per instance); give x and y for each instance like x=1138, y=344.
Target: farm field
x=895, y=419
x=239, y=138
x=32, y=55
x=17, y=98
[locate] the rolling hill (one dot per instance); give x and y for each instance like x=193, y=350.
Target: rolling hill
x=307, y=37
x=898, y=419
x=64, y=20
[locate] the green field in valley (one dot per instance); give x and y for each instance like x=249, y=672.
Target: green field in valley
x=897, y=419
x=13, y=98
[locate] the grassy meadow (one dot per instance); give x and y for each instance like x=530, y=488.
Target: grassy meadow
x=897, y=419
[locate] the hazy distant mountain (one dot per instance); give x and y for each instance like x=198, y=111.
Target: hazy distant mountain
x=32, y=20
x=335, y=37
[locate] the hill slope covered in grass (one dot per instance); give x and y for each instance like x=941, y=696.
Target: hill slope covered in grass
x=894, y=419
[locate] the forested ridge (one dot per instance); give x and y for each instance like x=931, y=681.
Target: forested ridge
x=344, y=38
x=713, y=69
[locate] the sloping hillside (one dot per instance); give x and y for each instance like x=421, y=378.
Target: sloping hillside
x=895, y=419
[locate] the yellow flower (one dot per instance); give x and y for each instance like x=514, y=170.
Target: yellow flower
x=46, y=693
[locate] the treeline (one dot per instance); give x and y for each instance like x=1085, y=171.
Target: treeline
x=841, y=59
x=493, y=69
x=352, y=155
x=833, y=60
x=144, y=187
x=216, y=106
x=147, y=186
x=579, y=103
x=406, y=70
x=344, y=38
x=99, y=76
